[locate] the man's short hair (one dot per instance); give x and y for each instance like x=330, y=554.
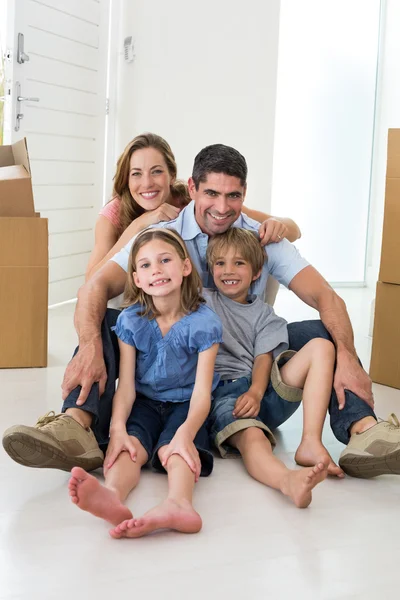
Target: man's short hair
x=246, y=244
x=219, y=158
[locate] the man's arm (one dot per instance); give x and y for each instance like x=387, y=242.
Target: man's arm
x=273, y=229
x=87, y=366
x=315, y=291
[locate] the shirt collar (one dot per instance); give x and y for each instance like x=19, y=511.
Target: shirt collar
x=189, y=227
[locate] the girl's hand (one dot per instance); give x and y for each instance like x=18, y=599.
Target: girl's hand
x=183, y=445
x=247, y=406
x=272, y=230
x=120, y=441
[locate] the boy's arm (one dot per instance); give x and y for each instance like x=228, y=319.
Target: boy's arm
x=123, y=401
x=200, y=403
x=248, y=404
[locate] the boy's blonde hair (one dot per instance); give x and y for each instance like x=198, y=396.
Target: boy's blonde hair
x=246, y=244
x=191, y=284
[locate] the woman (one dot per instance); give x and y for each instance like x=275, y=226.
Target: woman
x=146, y=191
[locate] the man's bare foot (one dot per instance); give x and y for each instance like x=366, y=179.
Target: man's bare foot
x=88, y=493
x=300, y=483
x=170, y=514
x=311, y=452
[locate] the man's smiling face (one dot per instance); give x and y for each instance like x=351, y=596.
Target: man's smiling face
x=218, y=202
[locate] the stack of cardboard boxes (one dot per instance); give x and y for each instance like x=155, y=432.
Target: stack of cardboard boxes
x=23, y=265
x=385, y=359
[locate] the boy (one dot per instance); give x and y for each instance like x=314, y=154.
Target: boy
x=262, y=383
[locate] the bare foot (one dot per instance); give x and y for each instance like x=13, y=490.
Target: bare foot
x=88, y=493
x=300, y=483
x=311, y=452
x=170, y=514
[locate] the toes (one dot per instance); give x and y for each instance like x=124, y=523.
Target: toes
x=79, y=473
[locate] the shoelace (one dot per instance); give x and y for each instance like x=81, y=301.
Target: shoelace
x=393, y=421
x=47, y=418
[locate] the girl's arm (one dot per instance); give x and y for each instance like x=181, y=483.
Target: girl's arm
x=200, y=403
x=123, y=401
x=125, y=395
x=293, y=232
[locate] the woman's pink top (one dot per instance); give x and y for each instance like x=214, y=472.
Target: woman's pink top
x=111, y=211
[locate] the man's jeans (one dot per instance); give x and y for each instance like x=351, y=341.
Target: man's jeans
x=354, y=409
x=299, y=334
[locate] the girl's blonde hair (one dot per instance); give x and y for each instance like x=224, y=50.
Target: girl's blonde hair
x=129, y=208
x=245, y=243
x=191, y=284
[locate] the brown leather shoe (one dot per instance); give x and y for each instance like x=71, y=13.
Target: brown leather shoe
x=56, y=442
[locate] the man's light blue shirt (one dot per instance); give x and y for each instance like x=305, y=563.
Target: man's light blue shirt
x=284, y=260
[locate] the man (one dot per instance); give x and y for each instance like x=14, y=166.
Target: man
x=218, y=188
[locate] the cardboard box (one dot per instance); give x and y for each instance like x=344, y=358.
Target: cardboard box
x=385, y=358
x=16, y=194
x=390, y=255
x=23, y=265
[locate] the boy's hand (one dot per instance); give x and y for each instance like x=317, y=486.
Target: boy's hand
x=182, y=444
x=120, y=441
x=247, y=405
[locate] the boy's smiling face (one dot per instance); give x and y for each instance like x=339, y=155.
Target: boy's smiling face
x=233, y=275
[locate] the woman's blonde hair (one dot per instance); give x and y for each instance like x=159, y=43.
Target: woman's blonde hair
x=245, y=243
x=191, y=284
x=130, y=209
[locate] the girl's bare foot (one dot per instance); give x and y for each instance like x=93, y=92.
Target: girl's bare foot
x=311, y=452
x=88, y=493
x=299, y=484
x=170, y=514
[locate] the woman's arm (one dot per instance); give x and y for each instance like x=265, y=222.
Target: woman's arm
x=293, y=232
x=107, y=243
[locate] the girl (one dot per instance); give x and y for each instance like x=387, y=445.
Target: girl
x=146, y=191
x=168, y=342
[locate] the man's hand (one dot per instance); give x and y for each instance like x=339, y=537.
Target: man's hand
x=247, y=405
x=85, y=368
x=350, y=375
x=120, y=441
x=183, y=445
x=272, y=230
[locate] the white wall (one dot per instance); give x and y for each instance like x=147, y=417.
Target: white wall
x=203, y=73
x=387, y=116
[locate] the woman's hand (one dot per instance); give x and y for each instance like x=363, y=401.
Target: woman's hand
x=272, y=230
x=120, y=441
x=165, y=212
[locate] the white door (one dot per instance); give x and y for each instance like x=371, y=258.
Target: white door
x=66, y=42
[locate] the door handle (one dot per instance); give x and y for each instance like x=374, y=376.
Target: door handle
x=22, y=57
x=22, y=99
x=18, y=114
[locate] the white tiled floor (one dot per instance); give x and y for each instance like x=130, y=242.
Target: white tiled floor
x=254, y=543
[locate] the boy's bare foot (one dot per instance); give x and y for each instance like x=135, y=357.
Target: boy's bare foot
x=170, y=514
x=311, y=452
x=300, y=483
x=88, y=493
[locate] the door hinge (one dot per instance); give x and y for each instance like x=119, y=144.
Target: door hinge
x=107, y=106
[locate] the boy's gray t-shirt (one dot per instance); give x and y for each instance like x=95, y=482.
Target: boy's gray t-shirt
x=248, y=330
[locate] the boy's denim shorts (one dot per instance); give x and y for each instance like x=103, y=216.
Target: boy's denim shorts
x=155, y=423
x=279, y=402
